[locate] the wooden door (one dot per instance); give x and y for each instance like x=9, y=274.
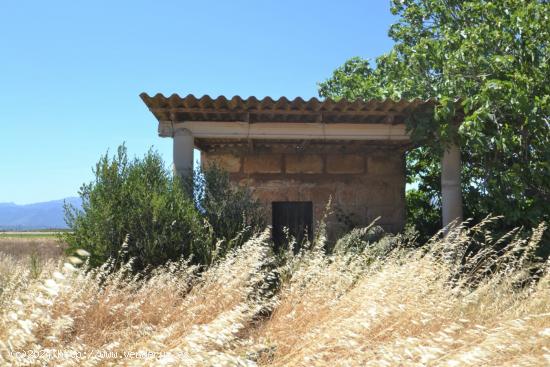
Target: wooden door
x=297, y=216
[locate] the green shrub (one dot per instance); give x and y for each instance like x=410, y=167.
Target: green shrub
x=233, y=214
x=423, y=213
x=358, y=239
x=140, y=199
x=140, y=204
x=373, y=243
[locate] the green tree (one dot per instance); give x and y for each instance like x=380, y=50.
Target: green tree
x=493, y=57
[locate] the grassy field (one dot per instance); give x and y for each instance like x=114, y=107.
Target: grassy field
x=44, y=247
x=28, y=235
x=46, y=233
x=432, y=306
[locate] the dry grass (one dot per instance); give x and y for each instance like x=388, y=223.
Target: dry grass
x=46, y=248
x=412, y=308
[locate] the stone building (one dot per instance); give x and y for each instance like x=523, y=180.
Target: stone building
x=295, y=155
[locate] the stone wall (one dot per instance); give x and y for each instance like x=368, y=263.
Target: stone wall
x=362, y=185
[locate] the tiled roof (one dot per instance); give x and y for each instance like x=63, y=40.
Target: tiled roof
x=254, y=110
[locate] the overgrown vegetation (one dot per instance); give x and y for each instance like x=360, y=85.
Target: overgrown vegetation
x=494, y=57
x=140, y=203
x=379, y=300
x=474, y=296
x=231, y=211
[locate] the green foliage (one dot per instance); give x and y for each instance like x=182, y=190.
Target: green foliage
x=233, y=214
x=372, y=243
x=358, y=239
x=139, y=200
x=494, y=56
x=351, y=81
x=423, y=214
x=35, y=265
x=135, y=209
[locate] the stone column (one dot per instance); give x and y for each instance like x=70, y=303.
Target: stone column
x=451, y=193
x=183, y=152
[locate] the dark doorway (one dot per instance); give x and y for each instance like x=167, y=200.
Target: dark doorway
x=297, y=216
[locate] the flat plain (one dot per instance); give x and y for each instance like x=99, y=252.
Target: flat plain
x=21, y=245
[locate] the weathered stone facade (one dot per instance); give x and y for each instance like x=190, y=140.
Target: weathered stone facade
x=295, y=154
x=364, y=181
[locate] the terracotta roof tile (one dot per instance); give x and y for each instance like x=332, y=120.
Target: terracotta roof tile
x=190, y=108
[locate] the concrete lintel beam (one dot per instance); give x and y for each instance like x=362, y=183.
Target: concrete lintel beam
x=294, y=131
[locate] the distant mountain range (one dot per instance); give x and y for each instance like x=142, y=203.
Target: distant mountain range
x=47, y=215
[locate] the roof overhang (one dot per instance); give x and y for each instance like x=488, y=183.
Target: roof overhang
x=284, y=119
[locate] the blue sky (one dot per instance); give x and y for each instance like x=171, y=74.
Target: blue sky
x=71, y=72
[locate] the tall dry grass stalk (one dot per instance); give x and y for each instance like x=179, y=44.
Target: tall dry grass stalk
x=433, y=306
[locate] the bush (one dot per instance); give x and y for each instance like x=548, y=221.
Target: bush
x=231, y=211
x=140, y=201
x=374, y=244
x=423, y=213
x=140, y=204
x=358, y=239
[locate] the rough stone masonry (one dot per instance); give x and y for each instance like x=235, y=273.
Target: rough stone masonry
x=364, y=184
x=296, y=155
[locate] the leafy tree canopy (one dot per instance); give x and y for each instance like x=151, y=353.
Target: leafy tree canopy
x=491, y=55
